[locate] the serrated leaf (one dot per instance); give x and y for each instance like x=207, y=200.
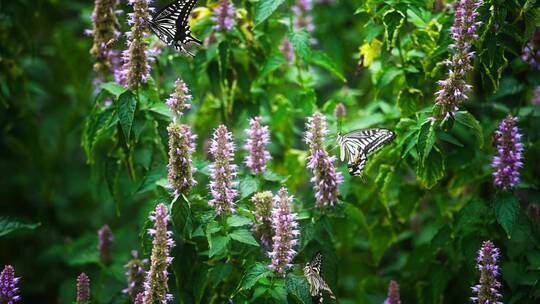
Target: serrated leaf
x=433, y=169
x=217, y=244
x=321, y=59
x=408, y=101
x=151, y=178
x=113, y=88
x=238, y=220
x=298, y=287
x=248, y=186
x=506, y=211
x=254, y=274
x=243, y=236
x=380, y=239
x=300, y=42
x=273, y=62
x=181, y=216
x=425, y=141
x=467, y=119
x=126, y=111
x=279, y=293
x=265, y=8
x=393, y=21
x=9, y=225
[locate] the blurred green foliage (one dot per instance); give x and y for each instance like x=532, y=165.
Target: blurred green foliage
x=71, y=164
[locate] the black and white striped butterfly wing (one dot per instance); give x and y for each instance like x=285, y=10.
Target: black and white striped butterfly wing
x=171, y=25
x=317, y=285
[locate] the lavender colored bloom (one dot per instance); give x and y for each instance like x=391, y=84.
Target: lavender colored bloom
x=486, y=292
x=137, y=57
x=105, y=237
x=536, y=96
x=180, y=98
x=510, y=154
x=302, y=18
x=285, y=233
x=135, y=275
x=222, y=171
x=325, y=177
x=287, y=50
x=9, y=292
x=258, y=139
x=139, y=299
x=105, y=33
x=340, y=112
x=393, y=293
x=83, y=289
x=262, y=228
x=224, y=16
x=453, y=90
x=181, y=148
x=531, y=51
x=156, y=289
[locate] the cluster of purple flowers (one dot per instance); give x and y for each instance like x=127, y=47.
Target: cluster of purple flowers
x=302, y=15
x=262, y=229
x=83, y=289
x=223, y=171
x=180, y=98
x=181, y=148
x=393, y=293
x=508, y=161
x=258, y=139
x=536, y=96
x=105, y=33
x=531, y=51
x=287, y=50
x=137, y=57
x=9, y=291
x=286, y=233
x=325, y=176
x=156, y=289
x=105, y=244
x=224, y=16
x=453, y=90
x=135, y=275
x=487, y=291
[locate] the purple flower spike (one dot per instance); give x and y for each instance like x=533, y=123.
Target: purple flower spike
x=393, y=293
x=302, y=15
x=156, y=289
x=325, y=176
x=531, y=51
x=285, y=233
x=223, y=171
x=181, y=148
x=9, y=292
x=287, y=50
x=180, y=98
x=224, y=16
x=105, y=33
x=536, y=97
x=83, y=289
x=258, y=139
x=510, y=154
x=486, y=292
x=105, y=237
x=262, y=229
x=135, y=275
x=135, y=69
x=340, y=112
x=453, y=91
x=139, y=299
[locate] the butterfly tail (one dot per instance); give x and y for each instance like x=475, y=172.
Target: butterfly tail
x=197, y=41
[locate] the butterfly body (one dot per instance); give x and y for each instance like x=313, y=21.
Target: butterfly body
x=357, y=145
x=317, y=285
x=171, y=26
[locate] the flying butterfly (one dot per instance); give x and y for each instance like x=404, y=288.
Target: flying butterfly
x=312, y=272
x=357, y=145
x=170, y=24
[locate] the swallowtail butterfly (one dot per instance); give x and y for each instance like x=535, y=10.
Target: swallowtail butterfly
x=317, y=285
x=170, y=24
x=357, y=145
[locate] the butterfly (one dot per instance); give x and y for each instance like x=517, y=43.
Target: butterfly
x=357, y=145
x=170, y=24
x=312, y=272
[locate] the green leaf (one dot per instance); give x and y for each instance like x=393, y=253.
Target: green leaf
x=238, y=220
x=300, y=42
x=298, y=287
x=467, y=119
x=243, y=236
x=217, y=244
x=432, y=171
x=507, y=211
x=126, y=111
x=425, y=141
x=279, y=293
x=273, y=62
x=113, y=88
x=181, y=216
x=256, y=272
x=9, y=225
x=265, y=8
x=380, y=239
x=321, y=59
x=393, y=21
x=248, y=185
x=150, y=179
x=408, y=101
